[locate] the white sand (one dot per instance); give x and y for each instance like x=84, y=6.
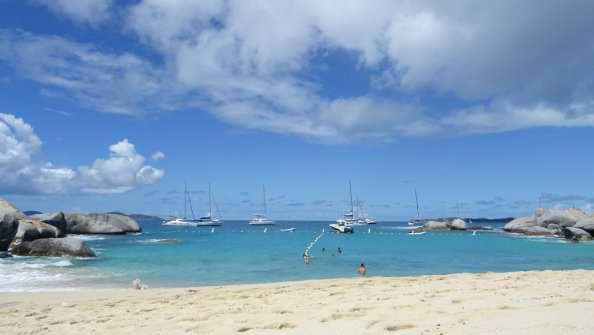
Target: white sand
x=535, y=302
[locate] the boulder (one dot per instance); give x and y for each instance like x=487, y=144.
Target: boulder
x=7, y=208
x=56, y=247
x=100, y=224
x=457, y=224
x=562, y=217
x=572, y=233
x=56, y=219
x=586, y=224
x=30, y=230
x=9, y=226
x=436, y=225
x=520, y=224
x=537, y=230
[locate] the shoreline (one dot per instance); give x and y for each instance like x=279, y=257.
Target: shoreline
x=530, y=302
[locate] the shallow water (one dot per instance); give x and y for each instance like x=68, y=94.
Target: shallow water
x=237, y=253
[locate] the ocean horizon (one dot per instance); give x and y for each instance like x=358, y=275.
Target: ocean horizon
x=237, y=253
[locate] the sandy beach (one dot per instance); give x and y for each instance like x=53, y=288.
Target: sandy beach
x=533, y=302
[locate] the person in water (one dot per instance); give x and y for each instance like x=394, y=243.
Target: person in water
x=339, y=250
x=362, y=269
x=306, y=258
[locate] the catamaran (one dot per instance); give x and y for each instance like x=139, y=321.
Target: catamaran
x=203, y=221
x=261, y=219
x=348, y=218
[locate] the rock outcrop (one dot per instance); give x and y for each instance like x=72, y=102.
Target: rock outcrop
x=574, y=234
x=56, y=219
x=8, y=208
x=455, y=224
x=586, y=224
x=100, y=224
x=56, y=247
x=548, y=222
x=564, y=218
x=30, y=230
x=9, y=225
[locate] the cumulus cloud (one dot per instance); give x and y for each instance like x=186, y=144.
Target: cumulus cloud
x=121, y=172
x=23, y=173
x=92, y=12
x=157, y=156
x=260, y=65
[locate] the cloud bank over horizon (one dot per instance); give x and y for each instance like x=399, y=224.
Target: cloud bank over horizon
x=431, y=68
x=23, y=173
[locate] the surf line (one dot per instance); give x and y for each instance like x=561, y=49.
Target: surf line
x=306, y=253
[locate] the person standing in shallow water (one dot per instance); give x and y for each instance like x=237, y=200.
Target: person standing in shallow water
x=362, y=269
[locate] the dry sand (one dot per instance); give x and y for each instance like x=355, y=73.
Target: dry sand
x=534, y=302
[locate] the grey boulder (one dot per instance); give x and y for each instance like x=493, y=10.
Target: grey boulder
x=30, y=230
x=519, y=225
x=586, y=224
x=564, y=218
x=100, y=224
x=572, y=233
x=8, y=208
x=56, y=247
x=9, y=226
x=436, y=225
x=56, y=219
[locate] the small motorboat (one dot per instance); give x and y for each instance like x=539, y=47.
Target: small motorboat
x=287, y=230
x=340, y=227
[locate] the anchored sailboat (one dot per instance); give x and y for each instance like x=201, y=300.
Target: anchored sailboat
x=261, y=219
x=203, y=221
x=418, y=221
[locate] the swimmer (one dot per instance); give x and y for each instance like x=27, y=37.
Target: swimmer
x=362, y=270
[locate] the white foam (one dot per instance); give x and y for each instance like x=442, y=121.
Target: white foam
x=87, y=237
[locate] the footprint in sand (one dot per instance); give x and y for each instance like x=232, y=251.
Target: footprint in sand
x=396, y=328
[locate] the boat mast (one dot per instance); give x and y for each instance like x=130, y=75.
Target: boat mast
x=417, y=200
x=264, y=200
x=351, y=193
x=185, y=197
x=209, y=202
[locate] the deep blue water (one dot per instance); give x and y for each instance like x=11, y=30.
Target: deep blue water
x=237, y=253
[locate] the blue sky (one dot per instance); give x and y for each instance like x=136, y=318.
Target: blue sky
x=110, y=106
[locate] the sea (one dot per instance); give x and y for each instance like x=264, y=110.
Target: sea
x=237, y=253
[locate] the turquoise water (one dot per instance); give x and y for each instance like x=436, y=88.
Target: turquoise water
x=237, y=253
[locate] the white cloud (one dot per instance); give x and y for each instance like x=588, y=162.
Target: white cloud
x=255, y=65
x=92, y=12
x=156, y=156
x=22, y=173
x=121, y=172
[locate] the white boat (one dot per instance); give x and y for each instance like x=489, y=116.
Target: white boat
x=287, y=230
x=341, y=227
x=418, y=221
x=348, y=218
x=361, y=219
x=184, y=221
x=261, y=219
x=412, y=232
x=208, y=220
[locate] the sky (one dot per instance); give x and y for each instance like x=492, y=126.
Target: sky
x=485, y=109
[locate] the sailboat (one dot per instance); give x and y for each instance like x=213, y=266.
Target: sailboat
x=261, y=219
x=184, y=221
x=362, y=219
x=418, y=221
x=343, y=224
x=208, y=220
